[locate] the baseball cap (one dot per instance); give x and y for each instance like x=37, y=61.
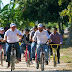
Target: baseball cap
x=40, y=25
x=1, y=28
x=12, y=24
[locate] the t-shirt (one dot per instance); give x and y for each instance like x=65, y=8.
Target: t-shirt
x=12, y=35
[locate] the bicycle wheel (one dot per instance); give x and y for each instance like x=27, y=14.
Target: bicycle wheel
x=54, y=60
x=1, y=59
x=28, y=59
x=12, y=63
x=12, y=60
x=42, y=61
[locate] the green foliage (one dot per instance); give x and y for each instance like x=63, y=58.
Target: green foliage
x=28, y=12
x=67, y=11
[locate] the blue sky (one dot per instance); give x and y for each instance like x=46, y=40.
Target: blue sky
x=5, y=2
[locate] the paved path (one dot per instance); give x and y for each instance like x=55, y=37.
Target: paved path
x=22, y=66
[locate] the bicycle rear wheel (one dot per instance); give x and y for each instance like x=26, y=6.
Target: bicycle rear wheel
x=42, y=61
x=28, y=59
x=54, y=60
x=12, y=63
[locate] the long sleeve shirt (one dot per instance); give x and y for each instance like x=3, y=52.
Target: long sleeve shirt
x=56, y=38
x=42, y=37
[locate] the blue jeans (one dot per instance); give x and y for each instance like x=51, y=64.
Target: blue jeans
x=33, y=48
x=8, y=50
x=23, y=47
x=45, y=49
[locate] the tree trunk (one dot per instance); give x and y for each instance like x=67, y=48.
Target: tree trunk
x=59, y=25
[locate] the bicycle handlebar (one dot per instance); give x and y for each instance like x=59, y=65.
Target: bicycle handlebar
x=54, y=45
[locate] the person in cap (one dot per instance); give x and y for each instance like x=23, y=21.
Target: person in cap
x=42, y=37
x=3, y=43
x=11, y=36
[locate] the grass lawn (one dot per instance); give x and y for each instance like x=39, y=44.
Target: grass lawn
x=66, y=52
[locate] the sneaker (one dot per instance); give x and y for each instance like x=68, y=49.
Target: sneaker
x=37, y=65
x=6, y=60
x=46, y=62
x=31, y=62
x=58, y=62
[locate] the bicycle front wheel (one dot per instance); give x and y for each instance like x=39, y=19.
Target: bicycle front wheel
x=42, y=61
x=12, y=63
x=54, y=60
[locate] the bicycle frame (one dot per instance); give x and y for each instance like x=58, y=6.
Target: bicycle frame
x=54, y=52
x=27, y=56
x=54, y=49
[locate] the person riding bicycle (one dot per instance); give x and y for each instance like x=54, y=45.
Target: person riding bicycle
x=42, y=37
x=11, y=36
x=33, y=44
x=3, y=43
x=56, y=39
x=48, y=30
x=25, y=41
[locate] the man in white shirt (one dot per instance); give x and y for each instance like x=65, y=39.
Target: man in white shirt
x=11, y=36
x=42, y=37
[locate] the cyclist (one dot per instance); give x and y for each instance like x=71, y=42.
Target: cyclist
x=56, y=39
x=44, y=27
x=3, y=43
x=11, y=36
x=33, y=44
x=48, y=30
x=22, y=31
x=25, y=41
x=42, y=37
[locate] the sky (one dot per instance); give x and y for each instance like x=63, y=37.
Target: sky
x=5, y=2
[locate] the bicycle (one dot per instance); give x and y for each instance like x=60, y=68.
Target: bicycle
x=1, y=55
x=42, y=59
x=54, y=49
x=27, y=56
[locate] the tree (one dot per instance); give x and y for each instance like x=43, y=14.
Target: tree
x=68, y=12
